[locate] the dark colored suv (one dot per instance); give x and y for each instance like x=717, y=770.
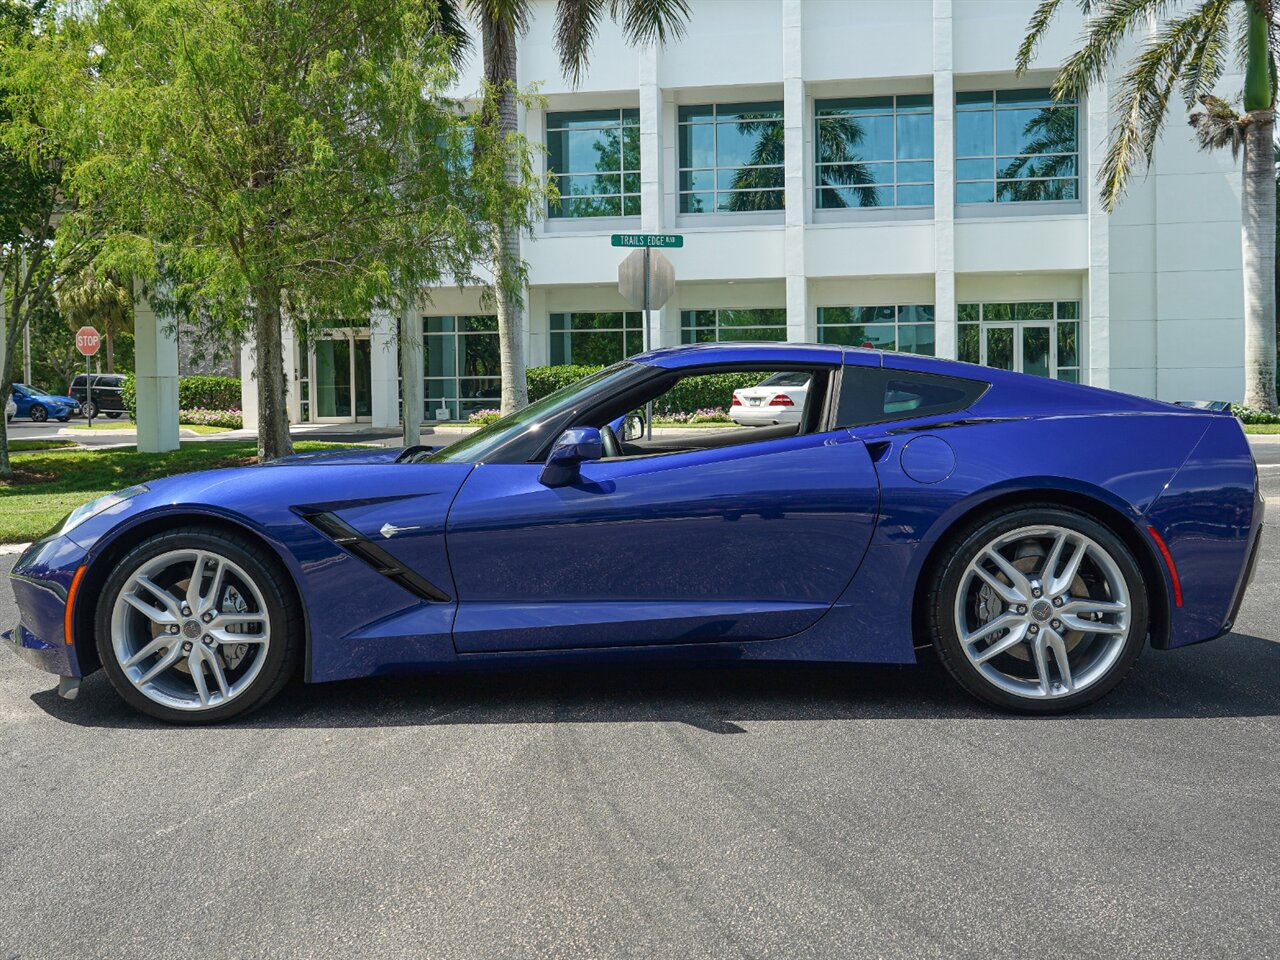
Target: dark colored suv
x=106, y=398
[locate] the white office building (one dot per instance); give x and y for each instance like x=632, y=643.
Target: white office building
x=850, y=171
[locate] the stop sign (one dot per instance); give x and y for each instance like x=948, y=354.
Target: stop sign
x=88, y=341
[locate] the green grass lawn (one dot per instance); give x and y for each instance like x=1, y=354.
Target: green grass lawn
x=102, y=423
x=1262, y=428
x=47, y=486
x=27, y=446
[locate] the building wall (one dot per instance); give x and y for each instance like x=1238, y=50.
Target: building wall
x=1158, y=281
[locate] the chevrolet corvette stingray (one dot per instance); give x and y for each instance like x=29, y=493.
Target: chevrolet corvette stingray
x=1036, y=534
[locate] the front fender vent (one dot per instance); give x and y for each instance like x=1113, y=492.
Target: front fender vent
x=352, y=540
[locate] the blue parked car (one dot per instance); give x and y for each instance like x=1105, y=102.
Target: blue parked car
x=1035, y=533
x=40, y=406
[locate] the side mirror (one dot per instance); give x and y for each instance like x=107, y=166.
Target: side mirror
x=575, y=446
x=632, y=427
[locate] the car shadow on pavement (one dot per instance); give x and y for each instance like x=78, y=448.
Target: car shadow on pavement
x=1232, y=677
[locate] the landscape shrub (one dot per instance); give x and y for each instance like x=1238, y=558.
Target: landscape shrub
x=212, y=418
x=1250, y=415
x=194, y=393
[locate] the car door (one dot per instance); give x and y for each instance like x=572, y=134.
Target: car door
x=742, y=543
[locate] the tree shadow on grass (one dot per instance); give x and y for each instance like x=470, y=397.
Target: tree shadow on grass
x=1232, y=677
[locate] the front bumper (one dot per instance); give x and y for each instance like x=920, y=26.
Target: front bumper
x=40, y=581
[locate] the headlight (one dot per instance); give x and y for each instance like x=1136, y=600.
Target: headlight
x=94, y=507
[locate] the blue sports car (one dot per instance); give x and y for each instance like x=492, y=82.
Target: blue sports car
x=1035, y=533
x=41, y=406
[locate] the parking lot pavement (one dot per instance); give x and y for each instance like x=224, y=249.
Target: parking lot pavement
x=798, y=812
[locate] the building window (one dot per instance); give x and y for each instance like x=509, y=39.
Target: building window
x=874, y=152
x=460, y=363
x=1040, y=337
x=907, y=329
x=731, y=158
x=595, y=339
x=713, y=326
x=594, y=156
x=1016, y=145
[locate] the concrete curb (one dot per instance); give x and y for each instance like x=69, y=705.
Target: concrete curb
x=11, y=549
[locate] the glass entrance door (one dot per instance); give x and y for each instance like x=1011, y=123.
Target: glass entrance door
x=342, y=378
x=1024, y=347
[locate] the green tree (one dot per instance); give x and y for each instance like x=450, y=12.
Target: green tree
x=502, y=23
x=263, y=162
x=32, y=202
x=1187, y=54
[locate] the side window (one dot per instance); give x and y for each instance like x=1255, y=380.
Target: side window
x=871, y=395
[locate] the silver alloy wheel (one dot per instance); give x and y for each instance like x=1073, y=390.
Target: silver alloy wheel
x=190, y=629
x=1042, y=612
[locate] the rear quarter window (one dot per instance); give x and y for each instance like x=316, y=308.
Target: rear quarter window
x=870, y=395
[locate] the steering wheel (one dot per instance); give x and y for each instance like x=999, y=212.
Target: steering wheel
x=609, y=440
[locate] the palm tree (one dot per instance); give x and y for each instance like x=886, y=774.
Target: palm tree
x=100, y=300
x=502, y=22
x=1188, y=54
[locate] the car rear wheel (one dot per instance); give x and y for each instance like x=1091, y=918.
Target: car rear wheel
x=113, y=415
x=39, y=414
x=1039, y=609
x=197, y=625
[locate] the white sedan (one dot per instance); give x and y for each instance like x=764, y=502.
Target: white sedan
x=779, y=399
x=10, y=409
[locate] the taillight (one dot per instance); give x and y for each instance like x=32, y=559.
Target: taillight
x=782, y=400
x=737, y=401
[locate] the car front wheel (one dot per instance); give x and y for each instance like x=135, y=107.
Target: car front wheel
x=87, y=409
x=39, y=414
x=197, y=625
x=1039, y=609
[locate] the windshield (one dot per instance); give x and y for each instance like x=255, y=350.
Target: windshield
x=475, y=448
x=22, y=390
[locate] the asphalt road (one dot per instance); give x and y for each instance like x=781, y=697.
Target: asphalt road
x=802, y=812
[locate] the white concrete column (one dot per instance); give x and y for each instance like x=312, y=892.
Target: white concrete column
x=539, y=351
x=248, y=384
x=155, y=376
x=794, y=122
x=384, y=372
x=652, y=208
x=1095, y=314
x=411, y=374
x=944, y=183
x=292, y=388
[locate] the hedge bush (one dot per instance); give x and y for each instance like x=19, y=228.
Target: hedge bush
x=688, y=396
x=1250, y=415
x=212, y=418
x=194, y=393
x=545, y=380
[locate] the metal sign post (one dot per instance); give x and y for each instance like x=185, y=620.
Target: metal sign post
x=647, y=280
x=87, y=342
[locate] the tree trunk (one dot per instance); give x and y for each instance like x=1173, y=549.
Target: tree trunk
x=109, y=341
x=411, y=373
x=1258, y=242
x=273, y=415
x=500, y=70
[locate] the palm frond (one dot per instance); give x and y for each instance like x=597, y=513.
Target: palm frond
x=447, y=21
x=1105, y=33
x=576, y=25
x=1145, y=91
x=1206, y=63
x=1036, y=28
x=1220, y=125
x=651, y=21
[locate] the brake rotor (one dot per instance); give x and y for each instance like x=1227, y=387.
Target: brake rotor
x=1029, y=560
x=230, y=655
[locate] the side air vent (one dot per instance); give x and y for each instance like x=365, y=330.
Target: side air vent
x=348, y=537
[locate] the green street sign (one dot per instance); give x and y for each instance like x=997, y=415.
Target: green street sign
x=647, y=240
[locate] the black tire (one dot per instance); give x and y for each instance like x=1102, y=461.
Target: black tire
x=113, y=415
x=39, y=414
x=64, y=419
x=88, y=410
x=283, y=654
x=948, y=574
